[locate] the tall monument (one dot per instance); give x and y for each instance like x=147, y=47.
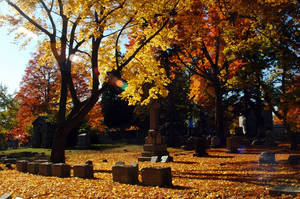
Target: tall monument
x=154, y=144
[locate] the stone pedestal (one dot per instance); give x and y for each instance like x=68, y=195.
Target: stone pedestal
x=61, y=170
x=127, y=174
x=21, y=165
x=156, y=176
x=83, y=171
x=154, y=143
x=33, y=167
x=45, y=169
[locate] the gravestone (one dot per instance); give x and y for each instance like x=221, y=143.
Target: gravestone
x=60, y=170
x=156, y=176
x=83, y=171
x=43, y=133
x=267, y=158
x=33, y=167
x=21, y=165
x=45, y=169
x=278, y=190
x=83, y=141
x=154, y=144
x=127, y=174
x=120, y=163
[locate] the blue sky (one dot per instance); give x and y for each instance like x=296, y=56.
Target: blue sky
x=13, y=60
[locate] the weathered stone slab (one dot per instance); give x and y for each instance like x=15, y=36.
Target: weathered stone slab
x=294, y=159
x=267, y=158
x=156, y=176
x=6, y=196
x=45, y=169
x=127, y=174
x=83, y=171
x=166, y=158
x=284, y=189
x=33, y=167
x=61, y=170
x=21, y=165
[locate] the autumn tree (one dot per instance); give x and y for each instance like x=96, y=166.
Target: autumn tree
x=90, y=31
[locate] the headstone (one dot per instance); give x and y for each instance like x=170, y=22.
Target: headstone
x=156, y=176
x=83, y=171
x=21, y=165
x=215, y=141
x=154, y=143
x=127, y=174
x=294, y=159
x=267, y=158
x=233, y=143
x=6, y=196
x=61, y=170
x=201, y=146
x=83, y=141
x=154, y=159
x=269, y=139
x=33, y=167
x=45, y=169
x=8, y=165
x=284, y=189
x=166, y=158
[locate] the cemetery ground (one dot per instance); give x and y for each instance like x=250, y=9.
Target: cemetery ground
x=219, y=175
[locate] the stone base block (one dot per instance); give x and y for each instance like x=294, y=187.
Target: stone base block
x=33, y=167
x=127, y=174
x=45, y=169
x=21, y=165
x=61, y=170
x=156, y=176
x=83, y=171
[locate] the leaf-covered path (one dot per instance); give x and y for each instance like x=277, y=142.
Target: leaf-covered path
x=221, y=175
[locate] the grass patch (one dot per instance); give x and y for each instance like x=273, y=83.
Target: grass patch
x=37, y=150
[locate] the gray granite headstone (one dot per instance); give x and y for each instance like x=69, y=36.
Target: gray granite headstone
x=154, y=159
x=284, y=189
x=267, y=158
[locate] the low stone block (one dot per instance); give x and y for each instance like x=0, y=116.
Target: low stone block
x=120, y=163
x=10, y=160
x=127, y=174
x=156, y=176
x=21, y=165
x=61, y=170
x=83, y=171
x=267, y=158
x=294, y=159
x=33, y=167
x=6, y=196
x=278, y=190
x=45, y=169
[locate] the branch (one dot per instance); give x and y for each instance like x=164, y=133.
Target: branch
x=49, y=15
x=29, y=19
x=142, y=45
x=117, y=41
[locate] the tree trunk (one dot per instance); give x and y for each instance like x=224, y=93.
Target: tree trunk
x=58, y=146
x=219, y=117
